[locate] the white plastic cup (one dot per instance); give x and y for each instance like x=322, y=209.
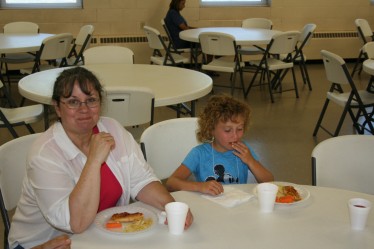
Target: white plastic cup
x=359, y=210
x=176, y=213
x=266, y=194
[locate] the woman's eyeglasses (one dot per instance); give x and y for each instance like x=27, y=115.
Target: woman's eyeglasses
x=75, y=104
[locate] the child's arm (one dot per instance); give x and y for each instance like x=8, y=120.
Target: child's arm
x=179, y=181
x=258, y=170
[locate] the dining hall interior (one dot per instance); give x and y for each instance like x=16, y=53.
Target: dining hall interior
x=281, y=133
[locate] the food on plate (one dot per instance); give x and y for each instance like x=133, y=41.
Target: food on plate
x=287, y=194
x=126, y=217
x=112, y=225
x=138, y=225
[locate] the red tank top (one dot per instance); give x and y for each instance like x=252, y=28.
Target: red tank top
x=110, y=189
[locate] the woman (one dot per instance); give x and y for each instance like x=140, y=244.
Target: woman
x=222, y=158
x=175, y=23
x=81, y=165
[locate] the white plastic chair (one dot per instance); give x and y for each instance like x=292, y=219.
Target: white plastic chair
x=81, y=43
x=18, y=58
x=365, y=34
x=167, y=143
x=53, y=48
x=368, y=50
x=271, y=62
x=130, y=106
x=13, y=156
x=222, y=47
x=344, y=162
x=157, y=44
x=108, y=55
x=17, y=116
x=353, y=101
x=254, y=23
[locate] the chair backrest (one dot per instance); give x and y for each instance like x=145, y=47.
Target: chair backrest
x=284, y=43
x=368, y=48
x=216, y=43
x=13, y=156
x=306, y=33
x=83, y=40
x=344, y=162
x=129, y=105
x=21, y=27
x=55, y=47
x=171, y=42
x=335, y=68
x=108, y=55
x=364, y=30
x=258, y=23
x=167, y=143
x=154, y=38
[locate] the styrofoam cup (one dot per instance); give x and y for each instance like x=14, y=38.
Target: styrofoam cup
x=266, y=194
x=176, y=213
x=358, y=212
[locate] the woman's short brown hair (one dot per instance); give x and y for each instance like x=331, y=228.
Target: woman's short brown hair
x=221, y=108
x=64, y=83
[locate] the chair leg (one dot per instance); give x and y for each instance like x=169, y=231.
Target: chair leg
x=305, y=74
x=357, y=64
x=341, y=120
x=295, y=83
x=251, y=83
x=318, y=125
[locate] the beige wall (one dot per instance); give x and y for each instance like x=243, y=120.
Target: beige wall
x=113, y=18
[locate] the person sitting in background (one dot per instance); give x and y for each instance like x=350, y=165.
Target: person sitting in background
x=175, y=23
x=222, y=158
x=81, y=165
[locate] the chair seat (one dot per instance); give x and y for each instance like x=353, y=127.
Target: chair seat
x=17, y=58
x=273, y=64
x=42, y=68
x=27, y=114
x=368, y=66
x=250, y=51
x=159, y=60
x=341, y=98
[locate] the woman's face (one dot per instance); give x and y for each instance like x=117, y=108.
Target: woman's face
x=227, y=133
x=81, y=120
x=182, y=4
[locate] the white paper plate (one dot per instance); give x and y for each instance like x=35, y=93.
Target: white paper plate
x=304, y=193
x=103, y=217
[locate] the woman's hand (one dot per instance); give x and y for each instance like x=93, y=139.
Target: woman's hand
x=60, y=242
x=211, y=187
x=100, y=146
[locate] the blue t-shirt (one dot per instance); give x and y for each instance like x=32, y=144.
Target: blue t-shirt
x=172, y=21
x=208, y=164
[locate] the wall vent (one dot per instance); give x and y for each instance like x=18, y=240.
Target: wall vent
x=335, y=35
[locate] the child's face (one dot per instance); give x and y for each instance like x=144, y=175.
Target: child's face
x=227, y=133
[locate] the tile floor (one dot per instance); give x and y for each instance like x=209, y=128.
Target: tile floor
x=280, y=132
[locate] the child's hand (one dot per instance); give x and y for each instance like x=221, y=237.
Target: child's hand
x=243, y=152
x=211, y=188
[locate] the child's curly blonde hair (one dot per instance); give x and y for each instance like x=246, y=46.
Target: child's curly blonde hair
x=221, y=108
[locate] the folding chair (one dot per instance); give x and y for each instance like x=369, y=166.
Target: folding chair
x=157, y=43
x=81, y=43
x=12, y=171
x=177, y=136
x=254, y=23
x=222, y=47
x=272, y=63
x=17, y=58
x=365, y=34
x=368, y=64
x=17, y=116
x=344, y=162
x=108, y=55
x=337, y=73
x=52, y=48
x=130, y=106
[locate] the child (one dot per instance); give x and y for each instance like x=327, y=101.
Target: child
x=222, y=158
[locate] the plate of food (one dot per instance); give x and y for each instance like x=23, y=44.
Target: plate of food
x=126, y=220
x=289, y=194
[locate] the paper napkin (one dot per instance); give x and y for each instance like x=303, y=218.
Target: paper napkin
x=231, y=197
